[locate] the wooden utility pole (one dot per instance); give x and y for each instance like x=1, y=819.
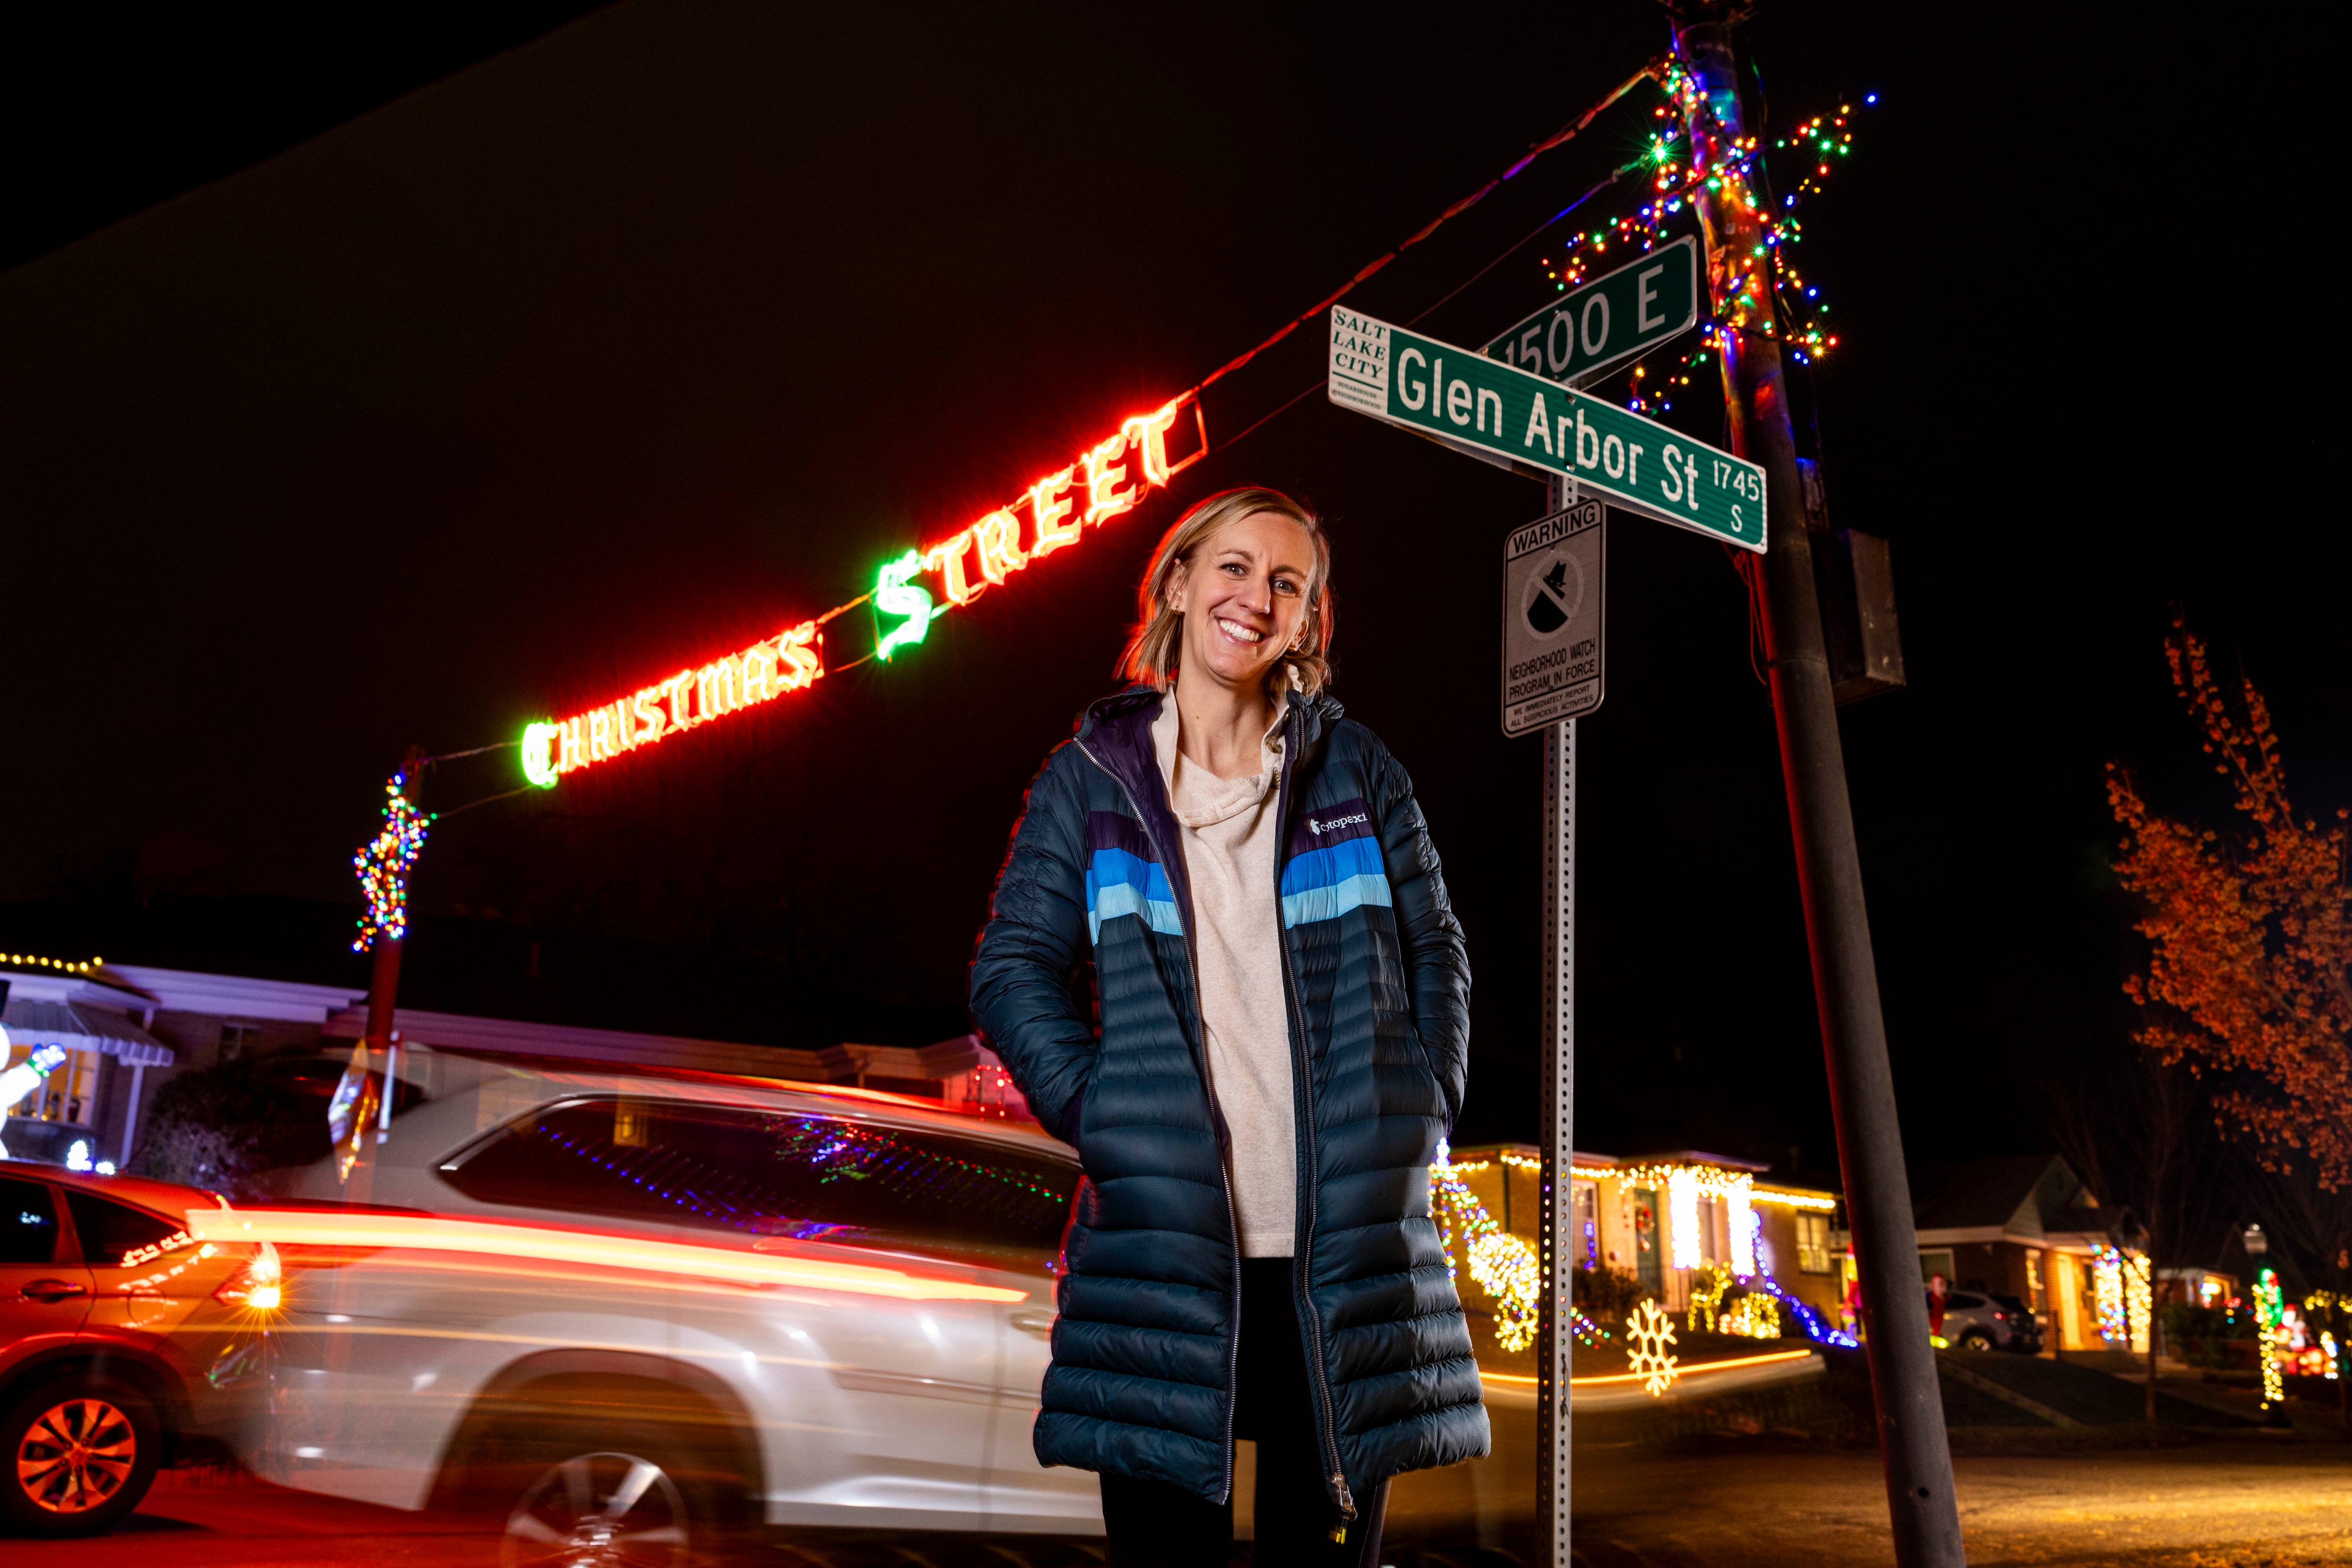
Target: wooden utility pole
x=383, y=997
x=1911, y=1436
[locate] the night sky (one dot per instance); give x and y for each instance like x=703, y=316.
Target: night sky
x=629, y=345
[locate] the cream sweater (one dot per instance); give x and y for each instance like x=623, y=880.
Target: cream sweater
x=1228, y=828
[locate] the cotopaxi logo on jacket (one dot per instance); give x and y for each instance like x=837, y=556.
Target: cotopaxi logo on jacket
x=1334, y=865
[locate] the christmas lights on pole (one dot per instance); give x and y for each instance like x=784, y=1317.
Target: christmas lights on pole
x=1825, y=140
x=382, y=865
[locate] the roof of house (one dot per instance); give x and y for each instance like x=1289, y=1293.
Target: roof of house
x=459, y=965
x=2026, y=1196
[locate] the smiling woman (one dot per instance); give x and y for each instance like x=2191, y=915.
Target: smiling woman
x=1282, y=1012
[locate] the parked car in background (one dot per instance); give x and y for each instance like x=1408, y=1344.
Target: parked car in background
x=1978, y=1320
x=623, y=1310
x=124, y=1340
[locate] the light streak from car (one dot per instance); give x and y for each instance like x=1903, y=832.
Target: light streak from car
x=426, y=1233
x=1695, y=1370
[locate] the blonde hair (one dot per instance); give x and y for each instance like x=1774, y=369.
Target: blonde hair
x=1153, y=646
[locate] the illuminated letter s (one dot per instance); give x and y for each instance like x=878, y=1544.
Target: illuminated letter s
x=895, y=596
x=805, y=663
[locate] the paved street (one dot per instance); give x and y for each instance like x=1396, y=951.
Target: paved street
x=2247, y=1504
x=2236, y=1505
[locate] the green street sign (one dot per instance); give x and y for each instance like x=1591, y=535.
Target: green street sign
x=1619, y=314
x=1491, y=410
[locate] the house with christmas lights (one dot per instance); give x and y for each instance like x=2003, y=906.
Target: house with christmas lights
x=2029, y=1228
x=80, y=1044
x=92, y=1041
x=1673, y=1220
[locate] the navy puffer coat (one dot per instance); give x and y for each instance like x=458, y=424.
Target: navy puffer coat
x=1141, y=1383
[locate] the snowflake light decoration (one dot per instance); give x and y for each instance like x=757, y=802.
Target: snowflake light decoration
x=1648, y=1333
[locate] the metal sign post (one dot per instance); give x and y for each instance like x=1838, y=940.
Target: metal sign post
x=1554, y=670
x=1558, y=1253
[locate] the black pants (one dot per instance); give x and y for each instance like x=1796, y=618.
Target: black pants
x=1152, y=1524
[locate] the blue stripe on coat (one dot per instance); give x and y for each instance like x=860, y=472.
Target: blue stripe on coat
x=1121, y=883
x=1325, y=883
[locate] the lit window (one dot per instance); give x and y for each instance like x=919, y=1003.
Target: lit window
x=69, y=1094
x=1814, y=1243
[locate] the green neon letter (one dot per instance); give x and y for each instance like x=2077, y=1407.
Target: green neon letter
x=538, y=763
x=893, y=595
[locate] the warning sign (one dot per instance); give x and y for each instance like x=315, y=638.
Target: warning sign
x=1554, y=572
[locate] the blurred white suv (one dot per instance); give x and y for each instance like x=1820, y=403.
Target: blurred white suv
x=636, y=1314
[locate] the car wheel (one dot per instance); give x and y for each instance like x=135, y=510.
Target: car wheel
x=625, y=1503
x=1975, y=1339
x=81, y=1452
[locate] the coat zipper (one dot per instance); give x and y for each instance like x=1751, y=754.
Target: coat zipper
x=1225, y=1136
x=1303, y=1267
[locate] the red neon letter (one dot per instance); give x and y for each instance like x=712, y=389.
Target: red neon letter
x=1049, y=509
x=1150, y=433
x=806, y=665
x=568, y=752
x=1104, y=471
x=677, y=687
x=718, y=687
x=600, y=733
x=651, y=726
x=999, y=536
x=758, y=672
x=947, y=559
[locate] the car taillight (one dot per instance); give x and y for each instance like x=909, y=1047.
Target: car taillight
x=255, y=1284
x=2000, y=1317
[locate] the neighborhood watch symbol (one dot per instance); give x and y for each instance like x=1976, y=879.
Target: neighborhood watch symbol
x=1552, y=596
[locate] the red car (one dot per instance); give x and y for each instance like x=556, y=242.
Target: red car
x=122, y=1341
